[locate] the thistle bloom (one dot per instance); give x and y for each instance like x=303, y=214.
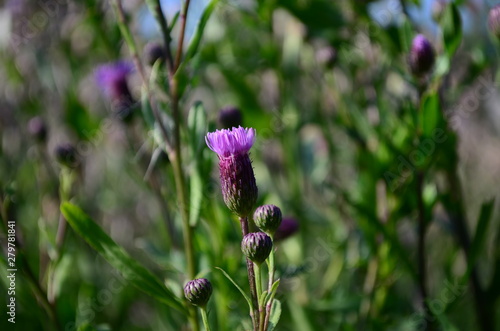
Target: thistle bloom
x=198, y=291
x=257, y=246
x=422, y=56
x=267, y=218
x=112, y=79
x=239, y=188
x=494, y=21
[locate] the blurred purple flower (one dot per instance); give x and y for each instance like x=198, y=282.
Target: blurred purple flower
x=422, y=55
x=112, y=78
x=287, y=228
x=239, y=188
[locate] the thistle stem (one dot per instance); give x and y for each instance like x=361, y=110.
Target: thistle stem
x=258, y=283
x=204, y=316
x=251, y=277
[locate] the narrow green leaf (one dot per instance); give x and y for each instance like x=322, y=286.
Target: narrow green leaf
x=263, y=298
x=197, y=127
x=200, y=27
x=130, y=269
x=274, y=288
x=195, y=195
x=481, y=231
x=452, y=29
x=275, y=315
x=239, y=288
x=430, y=114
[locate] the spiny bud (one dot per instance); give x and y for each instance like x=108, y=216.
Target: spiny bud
x=422, y=56
x=37, y=129
x=288, y=227
x=66, y=155
x=257, y=246
x=494, y=21
x=230, y=117
x=153, y=52
x=267, y=218
x=198, y=291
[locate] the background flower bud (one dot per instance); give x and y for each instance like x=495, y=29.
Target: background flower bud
x=37, y=129
x=230, y=117
x=422, y=56
x=267, y=218
x=66, y=155
x=287, y=228
x=257, y=246
x=154, y=51
x=198, y=291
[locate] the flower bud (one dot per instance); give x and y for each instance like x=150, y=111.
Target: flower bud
x=257, y=246
x=37, y=129
x=230, y=117
x=267, y=218
x=198, y=291
x=153, y=52
x=66, y=155
x=422, y=56
x=287, y=228
x=494, y=21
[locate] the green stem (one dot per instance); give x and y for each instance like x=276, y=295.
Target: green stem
x=271, y=268
x=251, y=277
x=181, y=34
x=204, y=316
x=270, y=265
x=258, y=283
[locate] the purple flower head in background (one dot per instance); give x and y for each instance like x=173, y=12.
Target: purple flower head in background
x=112, y=78
x=236, y=141
x=421, y=55
x=287, y=228
x=239, y=188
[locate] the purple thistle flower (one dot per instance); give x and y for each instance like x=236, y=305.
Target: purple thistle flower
x=231, y=142
x=422, y=55
x=112, y=79
x=239, y=189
